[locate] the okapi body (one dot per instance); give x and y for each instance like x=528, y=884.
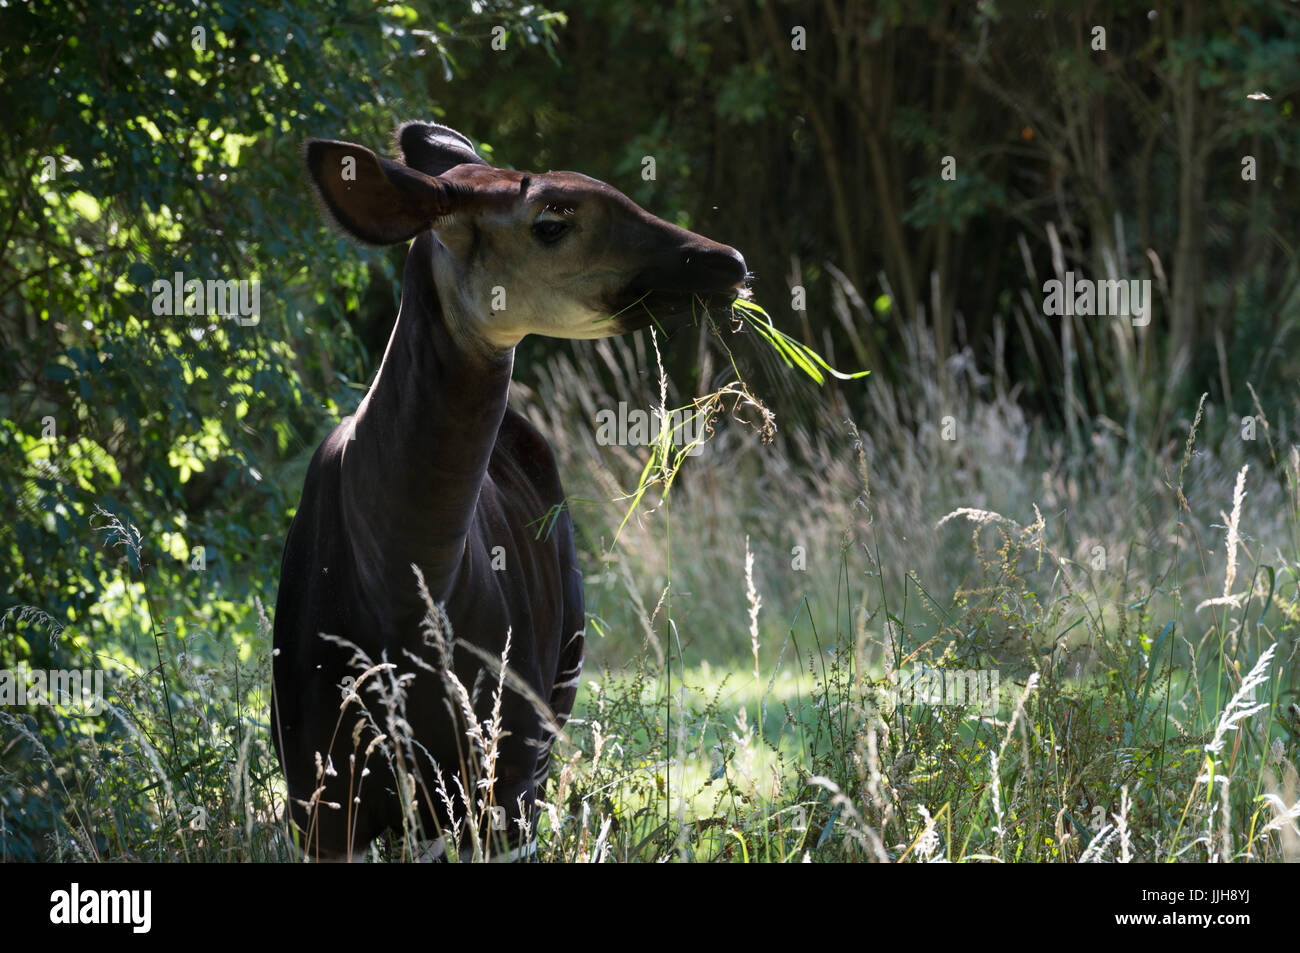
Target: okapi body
x=435, y=471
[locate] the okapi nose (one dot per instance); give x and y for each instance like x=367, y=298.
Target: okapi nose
x=719, y=266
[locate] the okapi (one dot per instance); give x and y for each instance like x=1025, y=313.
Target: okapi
x=435, y=471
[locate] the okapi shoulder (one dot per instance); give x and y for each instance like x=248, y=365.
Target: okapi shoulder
x=528, y=450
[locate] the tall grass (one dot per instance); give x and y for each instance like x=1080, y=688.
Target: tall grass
x=1132, y=578
x=1138, y=580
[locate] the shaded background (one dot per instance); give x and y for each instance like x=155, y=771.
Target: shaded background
x=128, y=439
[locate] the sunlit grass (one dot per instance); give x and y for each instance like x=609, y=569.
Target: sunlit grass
x=749, y=609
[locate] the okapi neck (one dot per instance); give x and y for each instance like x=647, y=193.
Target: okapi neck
x=421, y=442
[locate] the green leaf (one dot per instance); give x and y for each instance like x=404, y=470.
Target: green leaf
x=1268, y=600
x=792, y=352
x=1151, y=665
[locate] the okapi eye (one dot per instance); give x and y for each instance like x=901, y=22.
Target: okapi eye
x=549, y=230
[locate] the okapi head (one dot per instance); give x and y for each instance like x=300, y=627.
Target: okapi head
x=558, y=254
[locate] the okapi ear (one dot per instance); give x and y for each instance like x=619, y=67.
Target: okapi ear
x=373, y=199
x=433, y=149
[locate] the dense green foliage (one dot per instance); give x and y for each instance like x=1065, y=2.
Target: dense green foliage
x=140, y=155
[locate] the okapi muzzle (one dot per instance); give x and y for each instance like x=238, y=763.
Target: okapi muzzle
x=435, y=475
